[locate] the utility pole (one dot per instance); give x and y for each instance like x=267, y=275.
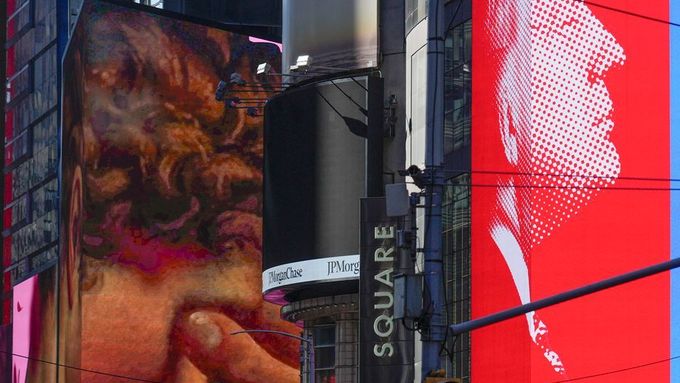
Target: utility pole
x=433, y=300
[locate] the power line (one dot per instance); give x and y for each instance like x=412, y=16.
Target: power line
x=617, y=371
x=81, y=369
x=602, y=188
x=619, y=188
x=563, y=175
x=629, y=13
x=556, y=175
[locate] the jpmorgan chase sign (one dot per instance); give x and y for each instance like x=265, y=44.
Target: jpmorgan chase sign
x=314, y=270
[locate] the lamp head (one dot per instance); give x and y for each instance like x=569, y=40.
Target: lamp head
x=303, y=61
x=263, y=68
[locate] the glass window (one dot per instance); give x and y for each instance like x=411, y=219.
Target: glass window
x=16, y=213
x=17, y=150
x=45, y=133
x=324, y=353
x=43, y=33
x=19, y=21
x=20, y=179
x=456, y=246
x=44, y=199
x=458, y=87
x=33, y=171
x=44, y=259
x=416, y=10
x=20, y=84
x=44, y=91
x=34, y=236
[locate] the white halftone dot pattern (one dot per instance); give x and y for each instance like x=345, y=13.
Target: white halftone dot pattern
x=555, y=110
x=570, y=113
x=555, y=121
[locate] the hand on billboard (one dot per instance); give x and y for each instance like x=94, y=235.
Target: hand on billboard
x=205, y=338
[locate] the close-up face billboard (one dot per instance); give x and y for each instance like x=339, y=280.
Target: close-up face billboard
x=161, y=206
x=571, y=171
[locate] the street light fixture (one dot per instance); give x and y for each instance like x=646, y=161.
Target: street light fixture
x=264, y=68
x=304, y=64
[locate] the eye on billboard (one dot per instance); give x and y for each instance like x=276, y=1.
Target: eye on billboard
x=571, y=171
x=161, y=205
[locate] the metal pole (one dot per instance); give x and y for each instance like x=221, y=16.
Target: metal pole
x=303, y=360
x=309, y=357
x=474, y=324
x=434, y=334
x=312, y=360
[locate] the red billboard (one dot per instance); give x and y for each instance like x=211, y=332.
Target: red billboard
x=570, y=185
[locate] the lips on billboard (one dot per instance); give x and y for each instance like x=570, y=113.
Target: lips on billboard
x=570, y=174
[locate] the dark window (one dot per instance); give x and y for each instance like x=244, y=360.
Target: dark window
x=19, y=22
x=20, y=84
x=43, y=33
x=458, y=87
x=16, y=213
x=43, y=96
x=324, y=353
x=456, y=246
x=456, y=203
x=18, y=149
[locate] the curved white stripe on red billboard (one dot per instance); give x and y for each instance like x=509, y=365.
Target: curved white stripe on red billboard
x=570, y=176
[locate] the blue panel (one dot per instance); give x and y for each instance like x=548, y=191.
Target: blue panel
x=675, y=195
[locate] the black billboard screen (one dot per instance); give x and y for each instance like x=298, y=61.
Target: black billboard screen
x=314, y=171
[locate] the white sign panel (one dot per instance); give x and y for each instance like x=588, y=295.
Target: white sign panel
x=322, y=269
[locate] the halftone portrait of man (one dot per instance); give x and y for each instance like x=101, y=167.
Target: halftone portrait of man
x=556, y=166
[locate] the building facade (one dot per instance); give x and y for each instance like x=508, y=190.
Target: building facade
x=536, y=168
x=35, y=36
x=334, y=138
x=136, y=205
x=71, y=305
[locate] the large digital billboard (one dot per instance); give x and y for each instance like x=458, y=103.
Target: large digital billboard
x=161, y=206
x=572, y=183
x=311, y=211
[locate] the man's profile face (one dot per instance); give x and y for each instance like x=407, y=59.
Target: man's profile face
x=555, y=109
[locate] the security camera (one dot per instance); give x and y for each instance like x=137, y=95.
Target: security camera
x=416, y=174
